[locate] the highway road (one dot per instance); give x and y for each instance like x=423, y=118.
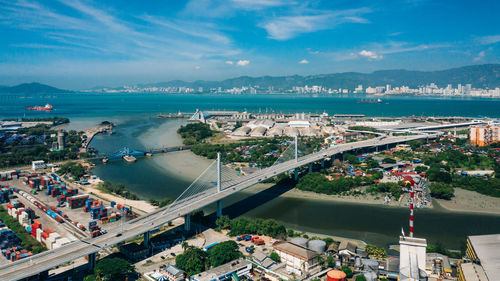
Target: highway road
x=45, y=261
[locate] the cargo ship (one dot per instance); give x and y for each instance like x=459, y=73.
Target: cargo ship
x=47, y=107
x=370, y=101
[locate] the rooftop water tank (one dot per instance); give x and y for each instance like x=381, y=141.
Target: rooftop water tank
x=317, y=245
x=299, y=241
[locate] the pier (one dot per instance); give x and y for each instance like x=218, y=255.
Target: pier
x=92, y=132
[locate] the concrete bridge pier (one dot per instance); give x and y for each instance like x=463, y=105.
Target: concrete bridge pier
x=92, y=262
x=296, y=174
x=219, y=208
x=310, y=167
x=187, y=223
x=147, y=239
x=323, y=163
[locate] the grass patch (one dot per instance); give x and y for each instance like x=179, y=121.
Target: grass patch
x=27, y=241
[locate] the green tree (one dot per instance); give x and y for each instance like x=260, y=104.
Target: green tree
x=389, y=161
x=192, y=261
x=360, y=278
x=441, y=190
x=223, y=253
x=90, y=277
x=113, y=269
x=223, y=223
x=347, y=270
x=330, y=261
x=275, y=257
x=420, y=169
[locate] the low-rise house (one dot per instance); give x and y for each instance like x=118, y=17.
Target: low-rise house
x=347, y=248
x=174, y=274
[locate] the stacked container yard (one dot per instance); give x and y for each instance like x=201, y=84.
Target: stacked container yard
x=10, y=245
x=4, y=194
x=76, y=201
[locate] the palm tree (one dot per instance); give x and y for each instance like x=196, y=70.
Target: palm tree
x=185, y=245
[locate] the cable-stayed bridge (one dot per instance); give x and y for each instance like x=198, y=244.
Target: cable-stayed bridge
x=214, y=184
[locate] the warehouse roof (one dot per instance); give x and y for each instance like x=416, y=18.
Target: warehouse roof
x=487, y=248
x=219, y=271
x=473, y=272
x=295, y=250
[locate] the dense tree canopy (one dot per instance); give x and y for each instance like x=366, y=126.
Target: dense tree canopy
x=441, y=190
x=223, y=252
x=113, y=269
x=258, y=226
x=192, y=261
x=194, y=133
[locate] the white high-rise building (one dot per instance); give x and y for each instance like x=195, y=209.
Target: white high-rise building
x=412, y=259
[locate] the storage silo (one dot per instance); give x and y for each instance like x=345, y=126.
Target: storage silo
x=299, y=241
x=317, y=245
x=336, y=275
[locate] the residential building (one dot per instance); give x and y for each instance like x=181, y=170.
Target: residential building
x=37, y=165
x=484, y=135
x=174, y=274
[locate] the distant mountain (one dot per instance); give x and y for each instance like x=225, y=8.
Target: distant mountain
x=32, y=88
x=480, y=76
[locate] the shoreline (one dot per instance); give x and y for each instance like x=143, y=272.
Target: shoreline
x=465, y=201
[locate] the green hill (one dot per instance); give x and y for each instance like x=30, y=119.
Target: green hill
x=480, y=76
x=32, y=88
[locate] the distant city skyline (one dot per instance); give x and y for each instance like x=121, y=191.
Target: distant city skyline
x=78, y=44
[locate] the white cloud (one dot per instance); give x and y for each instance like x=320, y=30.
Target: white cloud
x=377, y=51
x=89, y=28
x=304, y=61
x=197, y=67
x=370, y=54
x=480, y=56
x=229, y=62
x=260, y=4
x=243, y=63
x=287, y=27
x=487, y=40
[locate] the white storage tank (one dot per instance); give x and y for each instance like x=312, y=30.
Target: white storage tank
x=317, y=245
x=299, y=241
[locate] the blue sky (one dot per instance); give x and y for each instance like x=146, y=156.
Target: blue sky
x=78, y=44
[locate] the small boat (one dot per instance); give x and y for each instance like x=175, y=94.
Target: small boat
x=370, y=101
x=129, y=158
x=148, y=154
x=47, y=107
x=105, y=160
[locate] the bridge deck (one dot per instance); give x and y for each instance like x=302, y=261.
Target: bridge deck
x=44, y=261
